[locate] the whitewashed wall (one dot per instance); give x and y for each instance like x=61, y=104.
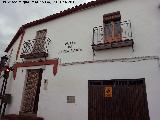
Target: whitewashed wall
x=78, y=27
x=73, y=80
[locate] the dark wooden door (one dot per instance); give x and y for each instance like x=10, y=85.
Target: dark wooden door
x=117, y=100
x=31, y=91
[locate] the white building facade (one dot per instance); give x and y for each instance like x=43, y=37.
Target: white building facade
x=113, y=41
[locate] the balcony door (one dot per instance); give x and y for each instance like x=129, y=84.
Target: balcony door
x=117, y=100
x=31, y=91
x=112, y=27
x=39, y=45
x=112, y=32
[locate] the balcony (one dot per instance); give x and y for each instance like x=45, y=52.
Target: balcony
x=36, y=48
x=107, y=37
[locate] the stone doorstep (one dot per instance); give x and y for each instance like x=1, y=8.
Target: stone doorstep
x=21, y=117
x=30, y=114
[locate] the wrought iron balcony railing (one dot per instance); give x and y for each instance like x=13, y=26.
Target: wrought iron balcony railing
x=112, y=35
x=36, y=48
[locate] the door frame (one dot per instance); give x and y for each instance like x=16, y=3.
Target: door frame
x=35, y=108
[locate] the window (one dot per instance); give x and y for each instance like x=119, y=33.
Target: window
x=39, y=45
x=112, y=27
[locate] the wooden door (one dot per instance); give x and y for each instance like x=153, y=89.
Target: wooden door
x=112, y=27
x=112, y=32
x=117, y=100
x=31, y=92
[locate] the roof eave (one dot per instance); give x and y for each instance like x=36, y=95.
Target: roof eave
x=55, y=16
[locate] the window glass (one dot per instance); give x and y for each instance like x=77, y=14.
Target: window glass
x=108, y=29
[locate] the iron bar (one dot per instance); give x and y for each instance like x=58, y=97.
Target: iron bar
x=99, y=34
x=30, y=45
x=35, y=48
x=4, y=109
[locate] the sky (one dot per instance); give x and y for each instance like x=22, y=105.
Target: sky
x=13, y=14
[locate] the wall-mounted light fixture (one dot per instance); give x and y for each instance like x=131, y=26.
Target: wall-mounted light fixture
x=4, y=60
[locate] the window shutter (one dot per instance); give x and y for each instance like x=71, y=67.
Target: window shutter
x=112, y=27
